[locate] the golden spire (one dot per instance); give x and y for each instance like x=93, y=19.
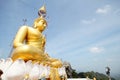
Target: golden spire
x=42, y=11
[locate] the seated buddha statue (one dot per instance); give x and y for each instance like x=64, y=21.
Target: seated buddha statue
x=29, y=44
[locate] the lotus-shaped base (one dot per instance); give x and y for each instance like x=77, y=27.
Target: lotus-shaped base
x=21, y=70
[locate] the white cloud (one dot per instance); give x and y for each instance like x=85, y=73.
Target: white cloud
x=106, y=9
x=88, y=21
x=96, y=50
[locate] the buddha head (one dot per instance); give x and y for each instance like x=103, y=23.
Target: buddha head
x=40, y=23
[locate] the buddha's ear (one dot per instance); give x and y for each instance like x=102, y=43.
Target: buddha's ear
x=35, y=25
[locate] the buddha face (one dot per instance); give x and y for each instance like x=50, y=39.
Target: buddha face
x=41, y=25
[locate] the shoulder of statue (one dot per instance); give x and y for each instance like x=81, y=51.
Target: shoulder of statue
x=24, y=27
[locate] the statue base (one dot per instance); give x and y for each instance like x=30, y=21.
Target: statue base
x=21, y=70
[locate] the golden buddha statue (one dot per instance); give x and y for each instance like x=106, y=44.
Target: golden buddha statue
x=29, y=43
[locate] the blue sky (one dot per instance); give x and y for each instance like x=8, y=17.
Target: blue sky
x=85, y=33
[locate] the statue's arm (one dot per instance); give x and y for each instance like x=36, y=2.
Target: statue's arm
x=20, y=36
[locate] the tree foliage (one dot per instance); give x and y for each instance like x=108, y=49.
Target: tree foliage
x=91, y=75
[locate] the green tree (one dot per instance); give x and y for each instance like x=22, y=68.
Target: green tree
x=74, y=74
